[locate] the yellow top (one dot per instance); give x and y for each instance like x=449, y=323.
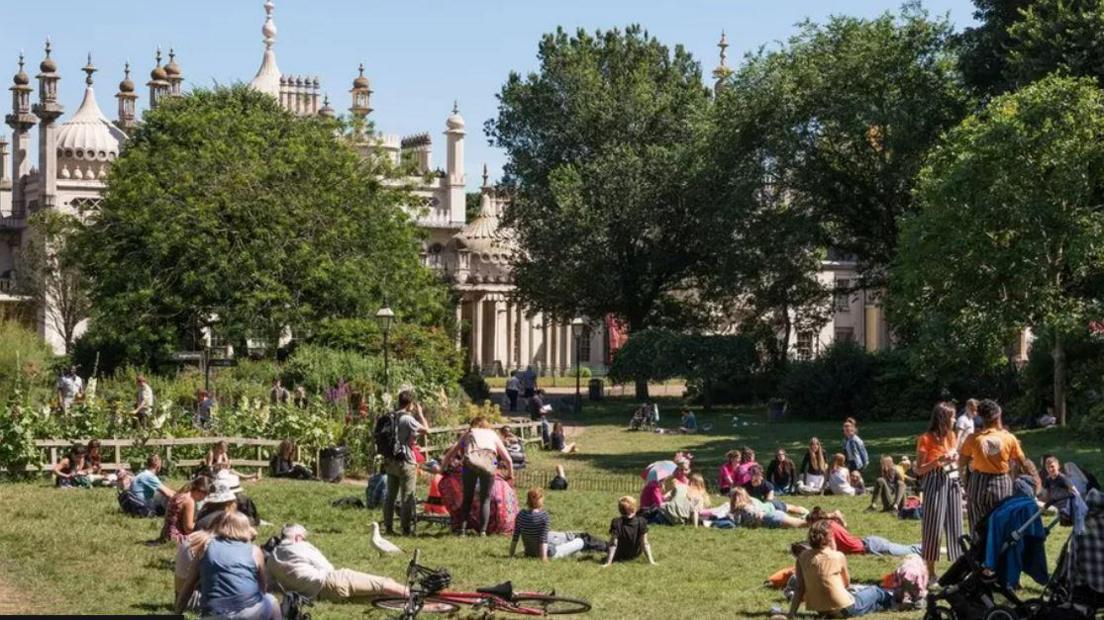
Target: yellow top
x=824, y=575
x=991, y=450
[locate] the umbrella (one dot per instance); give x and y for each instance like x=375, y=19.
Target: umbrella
x=659, y=470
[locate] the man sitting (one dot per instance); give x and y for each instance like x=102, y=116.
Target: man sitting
x=148, y=490
x=299, y=566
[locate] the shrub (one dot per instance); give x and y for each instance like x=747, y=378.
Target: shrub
x=475, y=386
x=582, y=372
x=24, y=358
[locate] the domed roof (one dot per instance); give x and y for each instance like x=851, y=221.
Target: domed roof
x=172, y=69
x=483, y=237
x=89, y=135
x=21, y=78
x=127, y=85
x=158, y=73
x=455, y=121
x=48, y=65
x=361, y=81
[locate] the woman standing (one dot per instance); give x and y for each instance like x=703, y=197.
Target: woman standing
x=935, y=458
x=479, y=448
x=989, y=453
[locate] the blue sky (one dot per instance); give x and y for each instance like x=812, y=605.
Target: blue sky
x=420, y=56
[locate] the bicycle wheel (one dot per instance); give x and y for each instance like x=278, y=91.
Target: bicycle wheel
x=431, y=605
x=552, y=605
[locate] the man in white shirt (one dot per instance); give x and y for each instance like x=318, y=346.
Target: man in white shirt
x=299, y=566
x=964, y=426
x=69, y=387
x=143, y=402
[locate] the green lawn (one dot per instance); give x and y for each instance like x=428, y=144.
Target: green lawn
x=71, y=551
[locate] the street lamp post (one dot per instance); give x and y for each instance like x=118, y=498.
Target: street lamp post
x=384, y=317
x=577, y=326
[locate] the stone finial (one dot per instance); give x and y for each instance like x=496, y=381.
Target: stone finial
x=269, y=27
x=455, y=106
x=723, y=44
x=48, y=65
x=486, y=176
x=89, y=69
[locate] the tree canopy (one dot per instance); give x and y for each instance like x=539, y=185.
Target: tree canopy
x=1062, y=36
x=984, y=49
x=225, y=209
x=1010, y=232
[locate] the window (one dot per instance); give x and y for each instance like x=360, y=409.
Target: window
x=804, y=345
x=583, y=345
x=845, y=334
x=843, y=297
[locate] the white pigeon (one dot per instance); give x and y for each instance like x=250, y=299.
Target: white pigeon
x=381, y=544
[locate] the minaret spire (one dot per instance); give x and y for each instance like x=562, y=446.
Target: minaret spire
x=485, y=175
x=89, y=69
x=721, y=73
x=267, y=79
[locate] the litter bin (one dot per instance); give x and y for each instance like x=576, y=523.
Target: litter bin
x=776, y=410
x=596, y=389
x=331, y=463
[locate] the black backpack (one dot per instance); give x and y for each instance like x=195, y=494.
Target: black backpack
x=386, y=435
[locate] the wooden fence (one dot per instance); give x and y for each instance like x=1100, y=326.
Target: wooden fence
x=436, y=440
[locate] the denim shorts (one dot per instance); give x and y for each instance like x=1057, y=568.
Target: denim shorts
x=774, y=520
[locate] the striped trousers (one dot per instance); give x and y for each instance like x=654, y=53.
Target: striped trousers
x=942, y=515
x=983, y=493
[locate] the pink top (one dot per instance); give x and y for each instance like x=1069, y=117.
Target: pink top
x=726, y=477
x=651, y=495
x=743, y=474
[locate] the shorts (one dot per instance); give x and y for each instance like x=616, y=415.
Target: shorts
x=774, y=520
x=344, y=584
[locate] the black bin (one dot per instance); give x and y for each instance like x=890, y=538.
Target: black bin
x=776, y=410
x=596, y=388
x=331, y=463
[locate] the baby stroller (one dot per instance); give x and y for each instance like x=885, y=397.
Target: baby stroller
x=646, y=418
x=969, y=590
x=1076, y=590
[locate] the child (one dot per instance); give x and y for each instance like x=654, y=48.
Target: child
x=532, y=527
x=839, y=479
x=628, y=535
x=559, y=441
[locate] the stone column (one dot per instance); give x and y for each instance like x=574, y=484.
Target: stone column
x=566, y=357
x=510, y=339
x=526, y=336
x=477, y=333
x=459, y=323
x=500, y=331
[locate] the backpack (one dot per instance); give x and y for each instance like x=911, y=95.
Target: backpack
x=911, y=509
x=133, y=505
x=386, y=436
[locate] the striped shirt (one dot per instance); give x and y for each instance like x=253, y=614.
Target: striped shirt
x=532, y=527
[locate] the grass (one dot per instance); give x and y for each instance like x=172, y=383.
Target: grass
x=69, y=552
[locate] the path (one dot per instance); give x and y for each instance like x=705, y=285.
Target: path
x=12, y=601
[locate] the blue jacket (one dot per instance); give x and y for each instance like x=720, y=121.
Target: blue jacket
x=855, y=451
x=1026, y=556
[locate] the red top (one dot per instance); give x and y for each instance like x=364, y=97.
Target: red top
x=846, y=542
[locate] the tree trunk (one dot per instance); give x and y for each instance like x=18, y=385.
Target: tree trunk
x=641, y=389
x=1059, y=354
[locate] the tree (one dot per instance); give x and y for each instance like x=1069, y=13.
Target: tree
x=849, y=110
x=596, y=142
x=1010, y=233
x=984, y=49
x=226, y=211
x=49, y=275
x=1064, y=36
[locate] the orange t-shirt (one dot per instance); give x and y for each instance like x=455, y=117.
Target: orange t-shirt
x=930, y=448
x=991, y=450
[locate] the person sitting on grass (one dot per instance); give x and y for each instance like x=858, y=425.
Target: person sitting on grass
x=689, y=423
x=628, y=535
x=847, y=543
x=514, y=446
x=781, y=473
x=283, y=465
x=857, y=482
x=889, y=488
x=229, y=571
x=72, y=470
x=813, y=470
x=243, y=503
x=726, y=476
x=149, y=488
x=823, y=581
x=747, y=511
x=839, y=478
x=677, y=507
x=532, y=526
x=651, y=496
x=761, y=489
x=558, y=440
x=181, y=511
x=94, y=458
x=298, y=566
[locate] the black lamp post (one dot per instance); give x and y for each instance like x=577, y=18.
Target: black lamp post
x=577, y=326
x=384, y=317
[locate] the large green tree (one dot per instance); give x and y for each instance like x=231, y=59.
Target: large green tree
x=1010, y=233
x=848, y=111
x=985, y=48
x=597, y=141
x=224, y=209
x=1064, y=36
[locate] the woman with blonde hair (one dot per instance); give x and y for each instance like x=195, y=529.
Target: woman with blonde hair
x=699, y=495
x=747, y=511
x=229, y=571
x=813, y=471
x=839, y=478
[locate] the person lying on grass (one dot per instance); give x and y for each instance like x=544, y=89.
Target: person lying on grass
x=628, y=535
x=823, y=581
x=847, y=543
x=298, y=566
x=747, y=511
x=533, y=525
x=759, y=488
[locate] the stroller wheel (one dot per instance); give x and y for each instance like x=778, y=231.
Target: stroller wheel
x=1000, y=612
x=1031, y=609
x=939, y=613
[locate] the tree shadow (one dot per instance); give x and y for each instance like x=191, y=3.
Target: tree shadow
x=161, y=564
x=155, y=608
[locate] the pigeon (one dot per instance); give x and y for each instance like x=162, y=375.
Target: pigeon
x=381, y=544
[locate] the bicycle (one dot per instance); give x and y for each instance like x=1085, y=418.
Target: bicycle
x=428, y=595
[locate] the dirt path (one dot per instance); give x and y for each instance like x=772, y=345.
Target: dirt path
x=11, y=600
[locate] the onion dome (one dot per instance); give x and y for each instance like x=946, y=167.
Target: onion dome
x=127, y=85
x=158, y=74
x=21, y=78
x=48, y=65
x=361, y=81
x=89, y=136
x=455, y=121
x=326, y=110
x=489, y=246
x=172, y=69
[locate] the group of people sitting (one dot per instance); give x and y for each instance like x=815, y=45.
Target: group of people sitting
x=646, y=417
